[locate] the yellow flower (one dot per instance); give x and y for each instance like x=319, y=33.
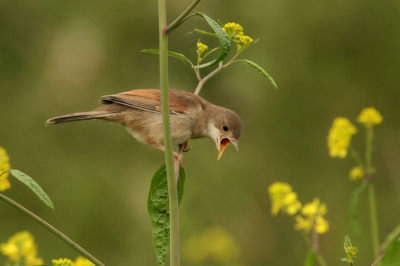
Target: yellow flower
x=370, y=117
x=339, y=137
x=201, y=48
x=283, y=198
x=356, y=173
x=213, y=243
x=62, y=262
x=321, y=225
x=233, y=29
x=246, y=41
x=313, y=217
x=21, y=245
x=81, y=261
x=314, y=208
x=4, y=166
x=303, y=224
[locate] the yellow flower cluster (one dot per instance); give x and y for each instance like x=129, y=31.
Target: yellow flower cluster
x=232, y=29
x=339, y=137
x=201, y=48
x=21, y=246
x=62, y=262
x=235, y=33
x=313, y=213
x=80, y=261
x=4, y=166
x=215, y=244
x=356, y=173
x=283, y=198
x=370, y=117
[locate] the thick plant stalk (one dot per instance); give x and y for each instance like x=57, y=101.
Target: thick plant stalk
x=169, y=161
x=51, y=229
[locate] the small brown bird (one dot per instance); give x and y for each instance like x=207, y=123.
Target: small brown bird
x=191, y=117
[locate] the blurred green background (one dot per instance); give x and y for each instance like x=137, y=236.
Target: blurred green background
x=329, y=58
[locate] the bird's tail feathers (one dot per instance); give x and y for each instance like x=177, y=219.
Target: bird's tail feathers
x=78, y=116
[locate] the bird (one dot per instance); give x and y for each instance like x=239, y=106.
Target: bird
x=191, y=117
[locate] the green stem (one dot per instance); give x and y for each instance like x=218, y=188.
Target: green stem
x=371, y=194
x=169, y=161
x=356, y=157
x=51, y=229
x=374, y=220
x=181, y=17
x=212, y=74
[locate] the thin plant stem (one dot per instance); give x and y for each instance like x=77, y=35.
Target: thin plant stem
x=52, y=229
x=169, y=161
x=212, y=74
x=181, y=17
x=374, y=219
x=371, y=194
x=203, y=80
x=356, y=157
x=315, y=245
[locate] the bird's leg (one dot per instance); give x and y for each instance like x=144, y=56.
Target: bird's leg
x=186, y=148
x=177, y=156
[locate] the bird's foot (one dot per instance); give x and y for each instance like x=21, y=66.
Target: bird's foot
x=185, y=148
x=178, y=157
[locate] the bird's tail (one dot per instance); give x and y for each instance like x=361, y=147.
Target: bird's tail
x=78, y=116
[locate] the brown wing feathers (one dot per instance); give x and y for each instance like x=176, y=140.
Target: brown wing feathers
x=146, y=100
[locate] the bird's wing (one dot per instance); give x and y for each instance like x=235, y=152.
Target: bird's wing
x=150, y=100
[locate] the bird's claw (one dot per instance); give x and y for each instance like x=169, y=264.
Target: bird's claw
x=186, y=148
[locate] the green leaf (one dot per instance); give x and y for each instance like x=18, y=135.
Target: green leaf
x=355, y=197
x=24, y=178
x=210, y=52
x=310, y=258
x=172, y=54
x=224, y=41
x=261, y=70
x=392, y=252
x=158, y=208
x=347, y=241
x=206, y=33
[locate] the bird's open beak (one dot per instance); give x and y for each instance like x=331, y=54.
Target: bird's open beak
x=223, y=143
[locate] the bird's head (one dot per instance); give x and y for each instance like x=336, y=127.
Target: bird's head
x=224, y=128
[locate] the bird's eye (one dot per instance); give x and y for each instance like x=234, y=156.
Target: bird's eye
x=225, y=128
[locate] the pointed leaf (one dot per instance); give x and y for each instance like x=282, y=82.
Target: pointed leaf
x=210, y=52
x=310, y=258
x=172, y=54
x=392, y=249
x=24, y=178
x=261, y=70
x=158, y=208
x=206, y=33
x=224, y=41
x=355, y=196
